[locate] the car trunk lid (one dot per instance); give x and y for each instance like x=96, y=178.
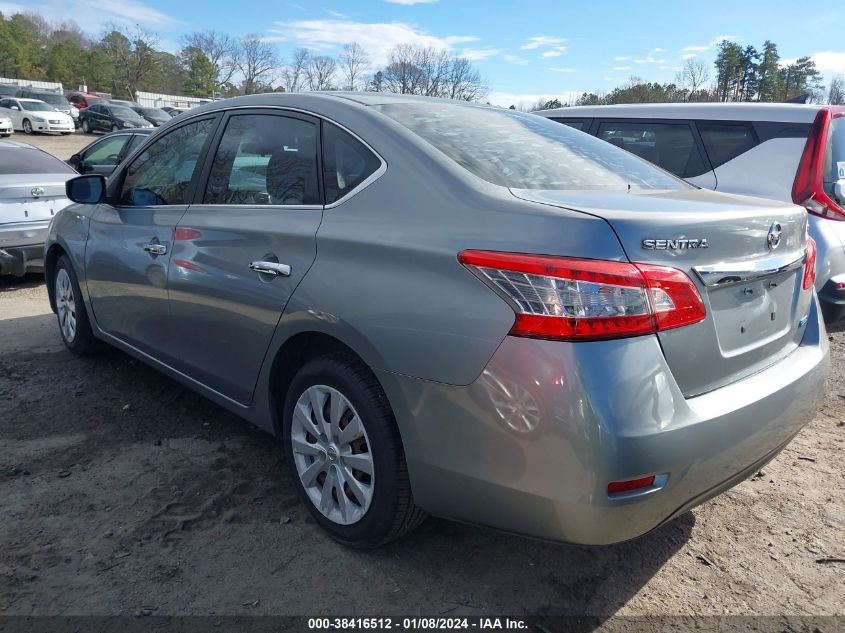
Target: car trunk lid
x=30, y=198
x=745, y=256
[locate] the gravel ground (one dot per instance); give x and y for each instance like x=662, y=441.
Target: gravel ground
x=123, y=493
x=59, y=146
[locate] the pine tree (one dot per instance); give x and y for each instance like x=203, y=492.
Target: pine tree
x=768, y=73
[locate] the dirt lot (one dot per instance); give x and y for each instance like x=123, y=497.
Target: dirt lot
x=60, y=146
x=124, y=493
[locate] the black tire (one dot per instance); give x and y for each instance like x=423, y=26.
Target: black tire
x=832, y=312
x=82, y=341
x=392, y=512
x=86, y=127
x=114, y=128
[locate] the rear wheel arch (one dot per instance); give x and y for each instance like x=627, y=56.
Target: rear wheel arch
x=294, y=354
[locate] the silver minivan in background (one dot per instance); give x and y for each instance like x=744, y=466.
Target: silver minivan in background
x=451, y=309
x=772, y=150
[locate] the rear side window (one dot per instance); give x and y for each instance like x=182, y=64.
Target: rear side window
x=671, y=146
x=265, y=159
x=725, y=141
x=834, y=161
x=107, y=151
x=346, y=162
x=525, y=151
x=578, y=124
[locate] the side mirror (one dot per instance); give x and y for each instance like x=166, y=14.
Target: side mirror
x=86, y=189
x=15, y=108
x=74, y=161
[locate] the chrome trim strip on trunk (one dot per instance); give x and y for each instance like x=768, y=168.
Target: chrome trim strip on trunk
x=728, y=274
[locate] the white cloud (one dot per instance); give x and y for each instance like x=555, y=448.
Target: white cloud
x=830, y=61
x=338, y=15
x=515, y=59
x=551, y=53
x=475, y=54
x=694, y=49
x=656, y=50
x=621, y=68
x=621, y=58
x=563, y=70
x=410, y=2
x=377, y=38
x=690, y=55
x=543, y=40
x=94, y=15
x=720, y=38
x=648, y=59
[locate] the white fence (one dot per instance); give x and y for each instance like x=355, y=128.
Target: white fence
x=27, y=83
x=155, y=100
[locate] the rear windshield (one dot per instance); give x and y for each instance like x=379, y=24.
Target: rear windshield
x=526, y=151
x=123, y=111
x=56, y=100
x=835, y=154
x=14, y=160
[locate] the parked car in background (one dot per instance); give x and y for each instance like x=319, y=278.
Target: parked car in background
x=781, y=151
x=6, y=126
x=32, y=191
x=156, y=116
x=360, y=273
x=82, y=100
x=104, y=154
x=108, y=117
x=174, y=111
x=58, y=101
x=33, y=115
x=8, y=90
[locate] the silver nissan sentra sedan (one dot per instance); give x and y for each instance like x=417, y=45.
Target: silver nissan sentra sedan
x=451, y=309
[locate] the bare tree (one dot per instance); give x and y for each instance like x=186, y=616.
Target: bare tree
x=431, y=72
x=293, y=74
x=320, y=72
x=221, y=49
x=692, y=77
x=353, y=62
x=836, y=95
x=257, y=60
x=464, y=81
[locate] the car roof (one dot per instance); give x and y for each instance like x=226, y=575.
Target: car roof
x=17, y=145
x=781, y=112
x=28, y=100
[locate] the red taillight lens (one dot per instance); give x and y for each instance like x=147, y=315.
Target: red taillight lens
x=615, y=487
x=810, y=265
x=808, y=188
x=587, y=299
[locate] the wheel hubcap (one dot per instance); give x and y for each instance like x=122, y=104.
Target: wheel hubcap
x=331, y=451
x=65, y=306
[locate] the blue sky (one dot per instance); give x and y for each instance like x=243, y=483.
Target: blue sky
x=525, y=50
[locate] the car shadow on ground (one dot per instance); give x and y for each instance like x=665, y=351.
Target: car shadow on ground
x=107, y=422
x=8, y=283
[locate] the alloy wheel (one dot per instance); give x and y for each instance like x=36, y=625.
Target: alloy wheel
x=332, y=455
x=65, y=305
x=27, y=127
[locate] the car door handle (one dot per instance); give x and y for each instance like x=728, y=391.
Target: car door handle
x=270, y=268
x=155, y=249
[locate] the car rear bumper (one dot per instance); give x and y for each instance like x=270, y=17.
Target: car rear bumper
x=22, y=247
x=531, y=445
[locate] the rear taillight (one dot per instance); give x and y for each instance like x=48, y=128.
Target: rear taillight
x=587, y=299
x=810, y=265
x=808, y=188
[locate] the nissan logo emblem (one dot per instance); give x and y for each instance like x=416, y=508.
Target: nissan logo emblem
x=773, y=238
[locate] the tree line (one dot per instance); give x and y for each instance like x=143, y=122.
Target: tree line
x=123, y=61
x=741, y=73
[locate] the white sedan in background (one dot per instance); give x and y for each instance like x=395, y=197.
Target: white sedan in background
x=6, y=127
x=33, y=115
